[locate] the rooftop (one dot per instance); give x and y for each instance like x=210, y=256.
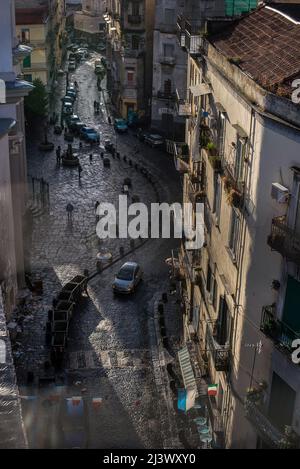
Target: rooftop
x=265, y=45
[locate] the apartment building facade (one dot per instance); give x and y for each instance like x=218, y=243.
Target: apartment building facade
x=129, y=51
x=241, y=289
x=41, y=24
x=13, y=194
x=89, y=23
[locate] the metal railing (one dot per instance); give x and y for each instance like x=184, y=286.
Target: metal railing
x=284, y=240
x=268, y=432
x=134, y=19
x=282, y=335
x=164, y=59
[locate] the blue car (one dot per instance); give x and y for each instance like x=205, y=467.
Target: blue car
x=120, y=125
x=89, y=134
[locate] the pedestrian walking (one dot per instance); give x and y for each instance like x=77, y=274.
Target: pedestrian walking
x=80, y=145
x=91, y=158
x=97, y=205
x=79, y=171
x=70, y=209
x=58, y=150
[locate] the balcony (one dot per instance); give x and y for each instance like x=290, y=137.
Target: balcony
x=219, y=353
x=193, y=38
x=180, y=26
x=184, y=108
x=165, y=60
x=134, y=19
x=276, y=330
x=170, y=96
x=284, y=240
x=258, y=418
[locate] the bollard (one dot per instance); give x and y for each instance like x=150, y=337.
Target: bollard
x=132, y=243
x=121, y=250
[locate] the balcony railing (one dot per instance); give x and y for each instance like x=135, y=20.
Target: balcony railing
x=267, y=431
x=166, y=60
x=180, y=31
x=184, y=108
x=220, y=353
x=134, y=19
x=281, y=334
x=284, y=240
x=180, y=151
x=166, y=95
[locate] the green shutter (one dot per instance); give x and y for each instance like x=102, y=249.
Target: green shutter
x=237, y=7
x=27, y=62
x=291, y=311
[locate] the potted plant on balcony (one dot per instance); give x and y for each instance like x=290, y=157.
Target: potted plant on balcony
x=235, y=197
x=290, y=439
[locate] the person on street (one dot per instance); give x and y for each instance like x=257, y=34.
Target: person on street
x=70, y=209
x=91, y=158
x=79, y=171
x=58, y=156
x=96, y=206
x=80, y=145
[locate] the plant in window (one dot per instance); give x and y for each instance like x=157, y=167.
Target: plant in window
x=234, y=197
x=211, y=149
x=290, y=439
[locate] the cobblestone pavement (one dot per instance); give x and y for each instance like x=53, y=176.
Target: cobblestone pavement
x=112, y=341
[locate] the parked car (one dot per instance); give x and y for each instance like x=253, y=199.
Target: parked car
x=120, y=125
x=72, y=94
x=67, y=99
x=72, y=57
x=154, y=140
x=72, y=118
x=67, y=108
x=75, y=124
x=72, y=67
x=128, y=278
x=89, y=134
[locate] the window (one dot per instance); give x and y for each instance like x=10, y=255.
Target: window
x=208, y=278
x=169, y=16
x=168, y=50
x=222, y=130
x=239, y=160
x=135, y=42
x=28, y=78
x=25, y=35
x=234, y=233
x=135, y=8
x=217, y=196
x=167, y=87
x=223, y=325
x=130, y=77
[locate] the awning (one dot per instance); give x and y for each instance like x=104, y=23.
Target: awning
x=199, y=90
x=186, y=368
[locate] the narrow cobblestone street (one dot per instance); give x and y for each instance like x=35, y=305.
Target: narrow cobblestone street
x=112, y=341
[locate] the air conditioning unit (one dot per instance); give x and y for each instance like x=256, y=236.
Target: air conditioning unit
x=279, y=193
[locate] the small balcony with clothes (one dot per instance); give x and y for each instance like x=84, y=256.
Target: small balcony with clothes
x=284, y=240
x=20, y=52
x=282, y=334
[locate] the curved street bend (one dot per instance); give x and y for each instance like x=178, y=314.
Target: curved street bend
x=112, y=341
